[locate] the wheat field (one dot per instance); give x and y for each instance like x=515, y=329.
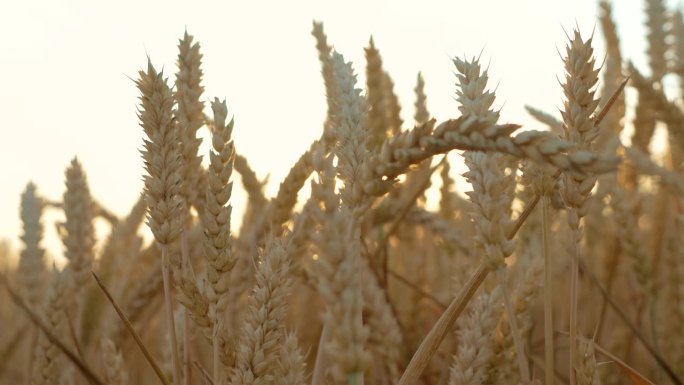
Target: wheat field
x=561, y=261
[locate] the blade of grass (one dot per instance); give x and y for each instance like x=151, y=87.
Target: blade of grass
x=130, y=328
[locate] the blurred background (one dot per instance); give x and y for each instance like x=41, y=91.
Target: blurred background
x=68, y=66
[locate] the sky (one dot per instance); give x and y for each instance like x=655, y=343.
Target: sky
x=68, y=67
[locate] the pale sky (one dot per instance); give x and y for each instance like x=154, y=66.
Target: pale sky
x=66, y=90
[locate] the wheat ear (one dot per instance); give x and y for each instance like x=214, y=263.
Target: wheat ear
x=190, y=117
x=491, y=195
x=264, y=330
x=255, y=192
x=291, y=364
x=339, y=245
x=216, y=221
x=475, y=332
x=162, y=156
x=677, y=32
x=376, y=119
x=393, y=106
x=612, y=75
x=48, y=361
x=580, y=128
x=32, y=270
x=324, y=56
x=79, y=237
x=422, y=114
x=551, y=121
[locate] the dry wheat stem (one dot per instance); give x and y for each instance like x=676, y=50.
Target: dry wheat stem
x=170, y=323
x=549, y=364
x=132, y=331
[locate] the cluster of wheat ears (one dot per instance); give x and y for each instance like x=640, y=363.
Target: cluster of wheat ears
x=563, y=264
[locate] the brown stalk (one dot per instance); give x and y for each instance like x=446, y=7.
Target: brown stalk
x=130, y=328
x=80, y=365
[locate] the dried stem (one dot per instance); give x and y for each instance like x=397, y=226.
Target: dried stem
x=130, y=328
x=549, y=366
x=168, y=302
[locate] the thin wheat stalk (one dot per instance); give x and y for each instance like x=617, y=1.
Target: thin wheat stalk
x=131, y=330
x=580, y=128
x=549, y=361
